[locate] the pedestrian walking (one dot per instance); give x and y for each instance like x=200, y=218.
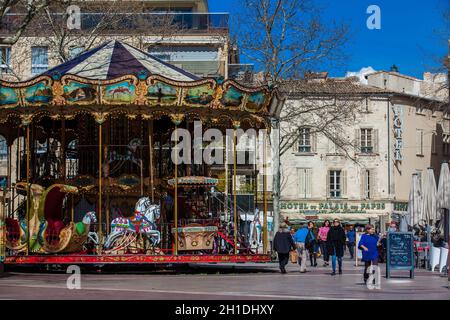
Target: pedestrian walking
x=369, y=246
x=311, y=244
x=335, y=245
x=283, y=244
x=300, y=243
x=351, y=239
x=322, y=236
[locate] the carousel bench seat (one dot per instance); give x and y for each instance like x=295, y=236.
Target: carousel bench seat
x=12, y=229
x=54, y=228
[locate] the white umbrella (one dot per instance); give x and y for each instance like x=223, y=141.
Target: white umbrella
x=443, y=192
x=429, y=191
x=414, y=214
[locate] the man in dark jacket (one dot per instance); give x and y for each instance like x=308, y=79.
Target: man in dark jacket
x=351, y=237
x=283, y=244
x=335, y=245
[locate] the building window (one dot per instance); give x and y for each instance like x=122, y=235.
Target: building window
x=304, y=144
x=39, y=60
x=446, y=144
x=3, y=148
x=366, y=141
x=5, y=59
x=419, y=142
x=304, y=182
x=75, y=52
x=3, y=182
x=434, y=143
x=335, y=183
x=161, y=56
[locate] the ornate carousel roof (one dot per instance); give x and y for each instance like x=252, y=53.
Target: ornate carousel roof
x=115, y=59
x=117, y=77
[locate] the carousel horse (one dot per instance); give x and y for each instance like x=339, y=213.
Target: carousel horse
x=143, y=222
x=255, y=231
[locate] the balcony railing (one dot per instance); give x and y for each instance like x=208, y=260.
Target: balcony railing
x=123, y=23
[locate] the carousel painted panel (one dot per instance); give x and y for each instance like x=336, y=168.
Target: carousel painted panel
x=256, y=101
x=39, y=93
x=232, y=97
x=199, y=96
x=196, y=237
x=160, y=93
x=9, y=97
x=120, y=93
x=79, y=93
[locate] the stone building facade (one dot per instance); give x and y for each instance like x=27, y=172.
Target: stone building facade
x=398, y=130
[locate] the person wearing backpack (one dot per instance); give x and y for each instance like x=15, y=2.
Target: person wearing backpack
x=311, y=244
x=300, y=243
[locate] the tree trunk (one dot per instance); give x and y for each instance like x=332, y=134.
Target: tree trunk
x=276, y=174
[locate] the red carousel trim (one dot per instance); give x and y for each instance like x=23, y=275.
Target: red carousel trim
x=133, y=259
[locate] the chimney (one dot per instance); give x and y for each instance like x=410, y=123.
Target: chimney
x=316, y=76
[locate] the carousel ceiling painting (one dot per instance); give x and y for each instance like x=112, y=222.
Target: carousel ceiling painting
x=117, y=74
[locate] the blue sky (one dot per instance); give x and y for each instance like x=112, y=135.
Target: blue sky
x=412, y=34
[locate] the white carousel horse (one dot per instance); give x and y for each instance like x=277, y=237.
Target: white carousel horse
x=88, y=219
x=255, y=231
x=146, y=214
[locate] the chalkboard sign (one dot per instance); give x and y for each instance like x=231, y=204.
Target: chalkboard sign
x=400, y=252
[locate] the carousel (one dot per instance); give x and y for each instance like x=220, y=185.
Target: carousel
x=90, y=178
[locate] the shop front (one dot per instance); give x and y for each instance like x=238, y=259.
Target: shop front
x=349, y=212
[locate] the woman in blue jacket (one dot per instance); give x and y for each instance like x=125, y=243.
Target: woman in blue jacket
x=368, y=244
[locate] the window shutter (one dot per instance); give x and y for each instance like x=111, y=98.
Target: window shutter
x=419, y=142
x=375, y=141
x=363, y=178
x=308, y=183
x=358, y=140
x=314, y=142
x=295, y=144
x=301, y=182
x=433, y=142
x=344, y=183
x=328, y=184
x=373, y=184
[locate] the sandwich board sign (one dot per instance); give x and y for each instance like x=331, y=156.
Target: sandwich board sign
x=400, y=252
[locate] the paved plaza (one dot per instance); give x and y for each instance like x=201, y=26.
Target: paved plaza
x=220, y=282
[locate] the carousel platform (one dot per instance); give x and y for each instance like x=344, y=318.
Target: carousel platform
x=134, y=259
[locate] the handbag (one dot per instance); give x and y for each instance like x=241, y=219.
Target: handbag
x=293, y=256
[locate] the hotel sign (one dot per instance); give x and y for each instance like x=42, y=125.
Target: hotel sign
x=398, y=133
x=310, y=208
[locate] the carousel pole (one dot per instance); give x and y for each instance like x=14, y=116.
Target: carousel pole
x=265, y=225
x=71, y=208
x=63, y=149
x=100, y=146
x=234, y=191
x=225, y=200
x=176, y=194
x=176, y=120
x=150, y=149
x=9, y=179
x=28, y=187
